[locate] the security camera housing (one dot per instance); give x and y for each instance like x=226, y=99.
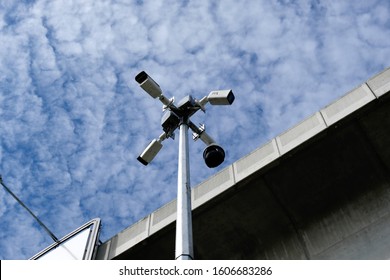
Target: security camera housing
x=213, y=155
x=221, y=97
x=152, y=88
x=148, y=84
x=150, y=152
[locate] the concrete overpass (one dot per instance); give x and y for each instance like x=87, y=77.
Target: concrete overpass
x=320, y=190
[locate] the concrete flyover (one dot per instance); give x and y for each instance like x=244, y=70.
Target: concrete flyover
x=320, y=190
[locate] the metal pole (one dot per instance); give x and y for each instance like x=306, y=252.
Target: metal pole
x=184, y=245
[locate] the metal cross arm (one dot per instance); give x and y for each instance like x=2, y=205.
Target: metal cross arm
x=175, y=114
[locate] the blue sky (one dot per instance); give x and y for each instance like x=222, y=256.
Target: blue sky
x=73, y=120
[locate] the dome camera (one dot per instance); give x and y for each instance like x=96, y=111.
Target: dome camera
x=213, y=155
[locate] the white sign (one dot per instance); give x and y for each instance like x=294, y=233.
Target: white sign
x=80, y=244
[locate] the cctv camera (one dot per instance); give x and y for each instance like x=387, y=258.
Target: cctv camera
x=213, y=155
x=148, y=84
x=221, y=97
x=152, y=88
x=150, y=152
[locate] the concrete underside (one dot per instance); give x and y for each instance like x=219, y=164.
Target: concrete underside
x=327, y=197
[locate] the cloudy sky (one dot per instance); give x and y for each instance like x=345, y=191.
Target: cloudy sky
x=73, y=120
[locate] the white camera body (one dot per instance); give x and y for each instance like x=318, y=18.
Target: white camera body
x=221, y=97
x=152, y=88
x=150, y=152
x=148, y=84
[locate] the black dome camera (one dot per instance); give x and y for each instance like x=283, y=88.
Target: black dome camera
x=213, y=155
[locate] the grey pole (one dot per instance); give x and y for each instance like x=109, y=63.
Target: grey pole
x=184, y=244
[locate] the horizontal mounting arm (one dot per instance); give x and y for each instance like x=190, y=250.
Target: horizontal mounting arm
x=201, y=133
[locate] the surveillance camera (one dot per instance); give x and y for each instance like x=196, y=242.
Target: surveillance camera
x=152, y=88
x=221, y=97
x=148, y=84
x=213, y=155
x=150, y=152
